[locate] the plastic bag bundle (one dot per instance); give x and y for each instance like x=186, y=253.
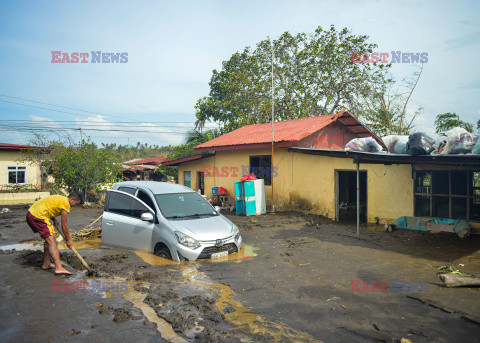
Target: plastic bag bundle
x=476, y=148
x=440, y=146
x=390, y=141
x=396, y=144
x=400, y=146
x=459, y=141
x=366, y=144
x=419, y=144
x=250, y=177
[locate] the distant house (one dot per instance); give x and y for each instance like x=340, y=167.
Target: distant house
x=142, y=169
x=15, y=172
x=308, y=169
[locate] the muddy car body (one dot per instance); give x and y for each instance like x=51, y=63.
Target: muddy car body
x=170, y=220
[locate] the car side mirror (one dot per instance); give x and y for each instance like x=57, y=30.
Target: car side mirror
x=217, y=208
x=147, y=216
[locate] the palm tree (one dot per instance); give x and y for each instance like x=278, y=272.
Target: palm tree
x=195, y=136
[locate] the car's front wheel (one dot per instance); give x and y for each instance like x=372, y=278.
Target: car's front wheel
x=164, y=253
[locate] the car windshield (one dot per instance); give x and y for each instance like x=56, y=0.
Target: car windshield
x=184, y=205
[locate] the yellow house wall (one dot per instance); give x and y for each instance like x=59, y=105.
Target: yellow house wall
x=9, y=159
x=307, y=182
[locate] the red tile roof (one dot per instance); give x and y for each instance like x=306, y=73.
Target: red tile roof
x=149, y=160
x=286, y=133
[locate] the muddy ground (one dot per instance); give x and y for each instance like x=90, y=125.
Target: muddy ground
x=298, y=287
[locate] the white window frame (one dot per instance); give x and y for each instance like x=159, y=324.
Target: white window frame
x=16, y=169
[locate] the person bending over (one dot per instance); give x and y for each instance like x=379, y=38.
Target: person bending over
x=38, y=218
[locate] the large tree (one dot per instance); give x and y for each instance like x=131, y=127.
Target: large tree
x=82, y=166
x=385, y=110
x=313, y=75
x=447, y=121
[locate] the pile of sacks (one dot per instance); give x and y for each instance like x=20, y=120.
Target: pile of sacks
x=455, y=142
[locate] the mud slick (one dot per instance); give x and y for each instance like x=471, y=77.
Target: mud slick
x=189, y=307
x=292, y=282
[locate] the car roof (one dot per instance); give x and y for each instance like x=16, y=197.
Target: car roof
x=155, y=187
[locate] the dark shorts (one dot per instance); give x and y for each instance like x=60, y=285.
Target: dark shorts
x=42, y=226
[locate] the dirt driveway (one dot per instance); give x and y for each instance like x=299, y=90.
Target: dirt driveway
x=291, y=282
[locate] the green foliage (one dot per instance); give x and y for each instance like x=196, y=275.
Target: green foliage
x=82, y=166
x=182, y=150
x=165, y=171
x=197, y=137
x=314, y=75
x=384, y=112
x=447, y=121
x=126, y=153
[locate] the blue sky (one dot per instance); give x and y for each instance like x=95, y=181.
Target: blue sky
x=174, y=46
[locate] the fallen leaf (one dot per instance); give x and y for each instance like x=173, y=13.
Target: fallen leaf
x=334, y=298
x=405, y=340
x=99, y=305
x=344, y=306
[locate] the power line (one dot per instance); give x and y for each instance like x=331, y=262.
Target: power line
x=46, y=103
x=51, y=129
x=44, y=108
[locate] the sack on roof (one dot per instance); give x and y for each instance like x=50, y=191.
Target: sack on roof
x=420, y=144
x=459, y=141
x=396, y=144
x=439, y=146
x=476, y=148
x=366, y=144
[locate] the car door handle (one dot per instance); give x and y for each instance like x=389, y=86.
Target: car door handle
x=109, y=222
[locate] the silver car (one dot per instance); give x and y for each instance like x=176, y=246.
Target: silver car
x=169, y=220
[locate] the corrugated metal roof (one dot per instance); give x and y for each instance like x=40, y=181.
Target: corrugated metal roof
x=185, y=159
x=9, y=146
x=148, y=160
x=284, y=131
x=389, y=158
x=288, y=130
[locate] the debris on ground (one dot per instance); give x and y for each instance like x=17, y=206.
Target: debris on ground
x=452, y=270
x=95, y=232
x=459, y=280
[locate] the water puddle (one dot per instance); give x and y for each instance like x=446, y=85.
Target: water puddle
x=38, y=245
x=247, y=252
x=155, y=260
x=21, y=246
x=94, y=243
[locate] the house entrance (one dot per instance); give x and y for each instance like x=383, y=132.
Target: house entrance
x=346, y=195
x=201, y=182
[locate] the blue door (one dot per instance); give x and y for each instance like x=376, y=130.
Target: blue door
x=239, y=197
x=249, y=191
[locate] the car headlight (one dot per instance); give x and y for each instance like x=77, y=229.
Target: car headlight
x=236, y=232
x=187, y=241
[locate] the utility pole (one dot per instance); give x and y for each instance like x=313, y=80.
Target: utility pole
x=273, y=139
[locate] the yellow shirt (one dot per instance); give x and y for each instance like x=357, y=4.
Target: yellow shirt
x=50, y=207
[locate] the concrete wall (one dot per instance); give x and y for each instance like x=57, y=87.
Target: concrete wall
x=21, y=198
x=9, y=158
x=307, y=182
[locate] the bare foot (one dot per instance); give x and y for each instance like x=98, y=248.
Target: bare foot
x=50, y=266
x=62, y=271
